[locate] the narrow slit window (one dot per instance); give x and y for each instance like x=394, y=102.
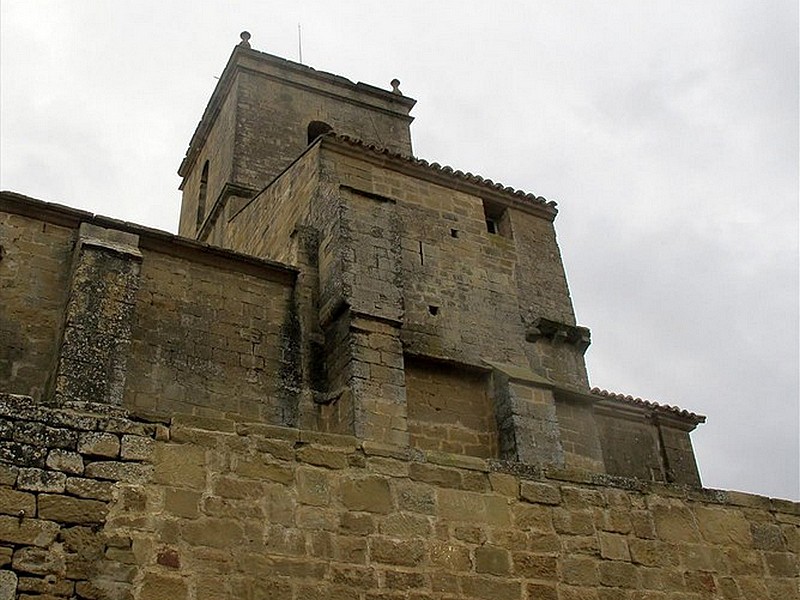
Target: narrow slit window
x=201, y=198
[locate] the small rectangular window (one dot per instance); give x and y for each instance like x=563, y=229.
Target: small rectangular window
x=497, y=222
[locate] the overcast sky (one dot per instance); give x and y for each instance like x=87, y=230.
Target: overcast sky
x=666, y=131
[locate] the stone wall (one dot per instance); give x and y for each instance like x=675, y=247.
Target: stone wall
x=61, y=472
x=34, y=283
x=450, y=409
x=209, y=341
x=224, y=510
x=96, y=308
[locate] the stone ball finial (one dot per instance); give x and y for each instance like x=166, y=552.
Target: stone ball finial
x=395, y=83
x=245, y=35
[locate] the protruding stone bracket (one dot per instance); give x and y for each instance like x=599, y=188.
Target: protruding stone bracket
x=526, y=416
x=553, y=331
x=96, y=338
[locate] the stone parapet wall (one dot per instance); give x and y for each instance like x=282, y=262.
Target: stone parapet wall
x=96, y=308
x=61, y=471
x=212, y=509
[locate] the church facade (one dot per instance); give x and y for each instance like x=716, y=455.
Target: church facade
x=352, y=374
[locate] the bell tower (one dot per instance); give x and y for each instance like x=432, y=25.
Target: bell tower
x=263, y=113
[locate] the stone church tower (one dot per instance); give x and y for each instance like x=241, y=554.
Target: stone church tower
x=432, y=307
x=354, y=375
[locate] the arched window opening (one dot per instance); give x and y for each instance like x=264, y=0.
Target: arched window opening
x=316, y=129
x=201, y=199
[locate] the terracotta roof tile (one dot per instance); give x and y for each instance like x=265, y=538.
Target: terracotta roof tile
x=447, y=170
x=664, y=408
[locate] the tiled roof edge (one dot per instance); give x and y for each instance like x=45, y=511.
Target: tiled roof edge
x=448, y=171
x=663, y=408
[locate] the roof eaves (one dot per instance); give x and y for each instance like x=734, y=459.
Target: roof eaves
x=666, y=409
x=548, y=207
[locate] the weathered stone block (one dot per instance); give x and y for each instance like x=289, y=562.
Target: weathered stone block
x=66, y=509
x=493, y=560
x=723, y=526
x=449, y=556
x=354, y=576
x=675, y=524
x=541, y=493
x=263, y=468
x=182, y=503
x=13, y=502
x=388, y=466
x=8, y=474
x=160, y=587
x=90, y=488
x=535, y=566
x=504, y=484
x=490, y=589
x=782, y=564
x=313, y=486
x=541, y=591
x=405, y=525
x=23, y=455
x=652, y=553
x=226, y=486
x=40, y=561
x=573, y=522
x=409, y=553
x=614, y=547
x=66, y=461
x=370, y=494
x=579, y=571
x=435, y=475
x=119, y=471
x=38, y=434
x=37, y=480
x=8, y=585
x=216, y=533
x=316, y=518
x=136, y=447
x=618, y=574
x=48, y=587
x=33, y=532
x=323, y=457
x=99, y=444
x=414, y=497
x=181, y=465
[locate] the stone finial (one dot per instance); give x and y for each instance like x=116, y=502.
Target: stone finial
x=245, y=35
x=395, y=83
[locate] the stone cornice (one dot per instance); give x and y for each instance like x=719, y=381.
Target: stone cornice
x=152, y=239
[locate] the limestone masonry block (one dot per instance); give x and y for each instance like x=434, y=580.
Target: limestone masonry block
x=66, y=461
x=99, y=444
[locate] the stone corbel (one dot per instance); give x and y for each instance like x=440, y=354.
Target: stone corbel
x=561, y=333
